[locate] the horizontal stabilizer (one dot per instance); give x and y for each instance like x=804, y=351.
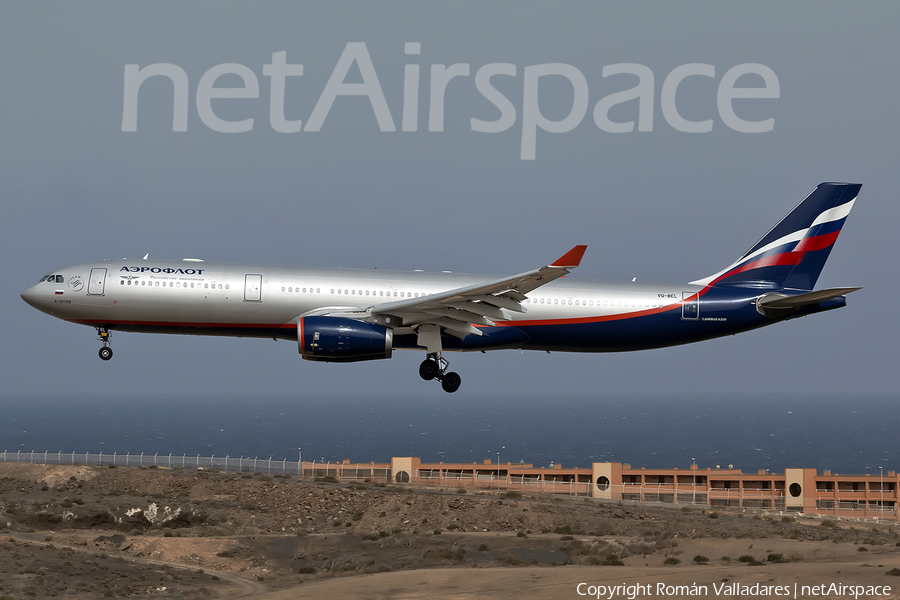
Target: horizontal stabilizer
x=776, y=305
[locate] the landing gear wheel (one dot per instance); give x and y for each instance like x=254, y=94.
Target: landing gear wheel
x=450, y=382
x=105, y=351
x=428, y=370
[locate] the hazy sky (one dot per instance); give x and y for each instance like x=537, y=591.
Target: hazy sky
x=660, y=204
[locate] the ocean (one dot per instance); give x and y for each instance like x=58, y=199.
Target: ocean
x=848, y=435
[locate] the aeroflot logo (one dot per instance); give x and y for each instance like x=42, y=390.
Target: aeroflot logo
x=534, y=79
x=167, y=270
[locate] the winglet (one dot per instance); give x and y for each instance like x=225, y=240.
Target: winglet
x=570, y=259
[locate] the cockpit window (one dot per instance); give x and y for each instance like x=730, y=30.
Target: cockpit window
x=59, y=279
x=52, y=278
x=44, y=278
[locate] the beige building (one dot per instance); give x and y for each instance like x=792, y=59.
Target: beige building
x=796, y=490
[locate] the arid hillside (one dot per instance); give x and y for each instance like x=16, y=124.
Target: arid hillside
x=92, y=532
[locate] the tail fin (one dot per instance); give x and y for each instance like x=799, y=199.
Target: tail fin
x=793, y=253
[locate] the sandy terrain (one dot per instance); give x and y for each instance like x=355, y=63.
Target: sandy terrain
x=90, y=532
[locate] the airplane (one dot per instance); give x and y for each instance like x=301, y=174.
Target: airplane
x=348, y=315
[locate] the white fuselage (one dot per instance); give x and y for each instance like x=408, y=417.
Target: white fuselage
x=265, y=301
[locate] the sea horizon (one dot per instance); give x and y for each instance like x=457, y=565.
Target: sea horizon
x=849, y=435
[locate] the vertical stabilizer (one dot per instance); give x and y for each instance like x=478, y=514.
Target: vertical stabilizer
x=793, y=253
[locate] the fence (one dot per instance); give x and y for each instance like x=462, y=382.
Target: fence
x=241, y=464
x=753, y=500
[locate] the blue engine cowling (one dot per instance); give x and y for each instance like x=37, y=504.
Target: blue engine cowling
x=336, y=339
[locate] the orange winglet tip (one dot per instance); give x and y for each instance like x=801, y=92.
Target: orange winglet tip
x=570, y=259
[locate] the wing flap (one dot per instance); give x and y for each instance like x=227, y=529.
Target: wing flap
x=481, y=308
x=462, y=315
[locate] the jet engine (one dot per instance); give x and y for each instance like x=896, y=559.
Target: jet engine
x=336, y=339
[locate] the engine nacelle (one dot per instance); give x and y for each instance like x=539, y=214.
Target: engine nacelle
x=336, y=339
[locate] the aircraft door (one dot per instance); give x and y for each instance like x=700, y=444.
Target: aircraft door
x=97, y=282
x=690, y=306
x=252, y=288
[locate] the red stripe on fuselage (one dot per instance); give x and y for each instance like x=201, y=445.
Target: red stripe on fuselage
x=299, y=327
x=594, y=319
x=94, y=322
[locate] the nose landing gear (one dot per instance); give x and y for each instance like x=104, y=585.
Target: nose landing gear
x=435, y=367
x=105, y=352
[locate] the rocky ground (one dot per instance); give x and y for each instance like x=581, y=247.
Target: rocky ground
x=91, y=532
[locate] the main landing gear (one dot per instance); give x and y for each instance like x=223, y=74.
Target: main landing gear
x=434, y=367
x=105, y=352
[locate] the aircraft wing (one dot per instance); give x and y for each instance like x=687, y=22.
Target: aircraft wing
x=455, y=311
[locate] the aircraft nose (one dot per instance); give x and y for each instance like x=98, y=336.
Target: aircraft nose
x=31, y=295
